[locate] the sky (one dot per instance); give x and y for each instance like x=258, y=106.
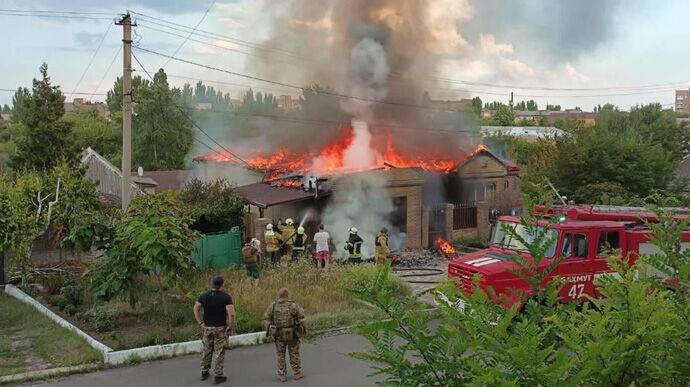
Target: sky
x=489, y=48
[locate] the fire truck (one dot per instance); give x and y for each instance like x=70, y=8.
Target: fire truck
x=584, y=235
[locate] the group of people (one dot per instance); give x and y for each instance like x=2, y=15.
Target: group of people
x=284, y=322
x=284, y=239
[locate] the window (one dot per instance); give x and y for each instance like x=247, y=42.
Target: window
x=505, y=239
x=506, y=185
x=608, y=242
x=489, y=190
x=574, y=246
x=464, y=217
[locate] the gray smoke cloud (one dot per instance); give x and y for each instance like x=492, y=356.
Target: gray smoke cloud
x=556, y=31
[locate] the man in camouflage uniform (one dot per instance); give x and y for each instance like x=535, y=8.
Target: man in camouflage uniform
x=284, y=320
x=216, y=323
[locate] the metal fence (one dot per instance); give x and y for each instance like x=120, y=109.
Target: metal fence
x=464, y=216
x=219, y=250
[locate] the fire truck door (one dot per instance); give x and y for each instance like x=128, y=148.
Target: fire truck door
x=576, y=269
x=608, y=244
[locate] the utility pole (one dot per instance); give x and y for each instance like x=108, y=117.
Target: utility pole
x=511, y=100
x=126, y=191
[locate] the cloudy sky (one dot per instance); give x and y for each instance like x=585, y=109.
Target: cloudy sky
x=574, y=53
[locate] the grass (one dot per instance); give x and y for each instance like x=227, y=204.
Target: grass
x=322, y=294
x=29, y=341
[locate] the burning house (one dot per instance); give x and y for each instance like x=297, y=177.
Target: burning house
x=363, y=148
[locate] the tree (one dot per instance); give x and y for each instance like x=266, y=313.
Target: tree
x=553, y=107
x=214, y=206
x=6, y=109
x=162, y=133
x=504, y=116
x=43, y=137
x=153, y=239
x=476, y=106
x=89, y=129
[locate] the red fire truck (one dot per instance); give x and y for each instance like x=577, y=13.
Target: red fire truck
x=585, y=235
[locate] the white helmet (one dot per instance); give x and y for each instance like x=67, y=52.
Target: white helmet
x=353, y=230
x=300, y=230
x=289, y=221
x=269, y=227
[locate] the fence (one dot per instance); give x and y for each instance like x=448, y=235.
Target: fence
x=464, y=216
x=219, y=250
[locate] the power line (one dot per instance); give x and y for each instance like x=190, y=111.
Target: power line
x=56, y=11
x=105, y=74
x=75, y=93
x=88, y=66
x=333, y=94
x=54, y=16
x=191, y=120
x=435, y=78
x=190, y=34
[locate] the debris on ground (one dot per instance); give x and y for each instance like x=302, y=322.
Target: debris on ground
x=419, y=258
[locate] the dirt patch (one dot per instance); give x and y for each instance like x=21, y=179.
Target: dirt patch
x=21, y=346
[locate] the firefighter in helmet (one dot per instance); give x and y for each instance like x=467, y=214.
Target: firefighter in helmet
x=272, y=241
x=382, y=250
x=354, y=247
x=287, y=233
x=299, y=244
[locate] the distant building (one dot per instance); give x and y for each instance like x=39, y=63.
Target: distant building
x=683, y=101
x=454, y=105
x=77, y=103
x=527, y=132
x=286, y=102
x=550, y=117
x=236, y=103
x=203, y=106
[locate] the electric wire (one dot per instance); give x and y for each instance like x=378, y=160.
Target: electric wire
x=93, y=56
x=190, y=34
x=105, y=74
x=75, y=93
x=184, y=113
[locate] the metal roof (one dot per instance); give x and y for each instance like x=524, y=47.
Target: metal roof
x=266, y=195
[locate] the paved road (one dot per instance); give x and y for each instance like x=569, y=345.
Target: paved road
x=326, y=363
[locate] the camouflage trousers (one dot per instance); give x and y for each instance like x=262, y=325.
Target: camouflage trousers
x=292, y=348
x=214, y=339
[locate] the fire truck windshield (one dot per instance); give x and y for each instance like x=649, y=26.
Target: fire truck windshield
x=507, y=240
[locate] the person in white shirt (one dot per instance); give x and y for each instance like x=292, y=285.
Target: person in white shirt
x=322, y=250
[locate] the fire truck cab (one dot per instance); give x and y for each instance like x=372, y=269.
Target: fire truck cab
x=585, y=236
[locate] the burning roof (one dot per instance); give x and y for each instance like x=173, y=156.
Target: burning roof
x=331, y=158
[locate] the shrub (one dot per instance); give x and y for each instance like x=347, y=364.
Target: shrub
x=103, y=319
x=72, y=294
x=362, y=277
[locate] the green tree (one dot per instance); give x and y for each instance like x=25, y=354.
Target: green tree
x=162, y=133
x=504, y=116
x=6, y=109
x=89, y=129
x=43, y=137
x=153, y=239
x=554, y=108
x=214, y=206
x=476, y=106
x=532, y=105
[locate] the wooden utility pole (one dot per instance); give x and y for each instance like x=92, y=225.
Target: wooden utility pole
x=126, y=23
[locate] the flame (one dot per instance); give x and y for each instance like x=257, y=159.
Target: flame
x=330, y=159
x=445, y=246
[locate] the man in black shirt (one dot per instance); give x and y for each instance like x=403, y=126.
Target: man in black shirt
x=217, y=323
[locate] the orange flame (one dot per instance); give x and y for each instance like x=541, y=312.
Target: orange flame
x=445, y=246
x=330, y=159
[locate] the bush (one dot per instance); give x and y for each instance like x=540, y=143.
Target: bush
x=103, y=319
x=362, y=277
x=72, y=294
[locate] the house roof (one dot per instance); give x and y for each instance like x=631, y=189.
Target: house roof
x=482, y=149
x=266, y=195
x=168, y=180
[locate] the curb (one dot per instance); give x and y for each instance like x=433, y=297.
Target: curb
x=52, y=372
x=154, y=352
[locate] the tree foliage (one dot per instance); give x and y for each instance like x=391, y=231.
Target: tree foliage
x=637, y=335
x=161, y=133
x=43, y=137
x=214, y=206
x=504, y=116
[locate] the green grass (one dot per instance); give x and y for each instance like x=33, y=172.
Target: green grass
x=42, y=343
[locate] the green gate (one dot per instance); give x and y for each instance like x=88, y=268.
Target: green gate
x=219, y=250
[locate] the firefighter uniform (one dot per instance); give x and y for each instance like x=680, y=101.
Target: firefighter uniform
x=354, y=247
x=272, y=240
x=299, y=244
x=285, y=321
x=381, y=250
x=287, y=233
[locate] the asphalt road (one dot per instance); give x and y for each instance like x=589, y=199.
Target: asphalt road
x=326, y=362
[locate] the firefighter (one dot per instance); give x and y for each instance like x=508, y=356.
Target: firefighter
x=272, y=240
x=299, y=244
x=354, y=247
x=287, y=233
x=382, y=250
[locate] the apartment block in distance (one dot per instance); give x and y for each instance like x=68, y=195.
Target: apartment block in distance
x=683, y=101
